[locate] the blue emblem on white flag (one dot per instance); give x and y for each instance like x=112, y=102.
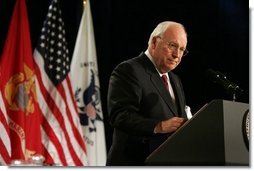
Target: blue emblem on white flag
x=88, y=109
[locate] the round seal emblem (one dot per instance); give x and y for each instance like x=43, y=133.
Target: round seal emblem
x=246, y=128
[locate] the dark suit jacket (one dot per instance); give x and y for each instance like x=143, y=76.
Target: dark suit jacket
x=137, y=101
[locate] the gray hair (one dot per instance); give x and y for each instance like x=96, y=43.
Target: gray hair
x=161, y=28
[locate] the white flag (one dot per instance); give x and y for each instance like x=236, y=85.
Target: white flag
x=85, y=81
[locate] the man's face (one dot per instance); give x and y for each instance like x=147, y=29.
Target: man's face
x=168, y=50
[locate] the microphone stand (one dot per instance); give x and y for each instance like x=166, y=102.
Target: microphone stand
x=230, y=87
x=234, y=97
x=234, y=89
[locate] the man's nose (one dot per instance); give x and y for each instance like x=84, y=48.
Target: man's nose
x=176, y=53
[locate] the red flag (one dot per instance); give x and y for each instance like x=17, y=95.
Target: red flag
x=61, y=130
x=18, y=88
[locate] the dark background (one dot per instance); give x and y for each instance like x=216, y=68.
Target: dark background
x=218, y=38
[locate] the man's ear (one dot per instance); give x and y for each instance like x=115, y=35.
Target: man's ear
x=154, y=42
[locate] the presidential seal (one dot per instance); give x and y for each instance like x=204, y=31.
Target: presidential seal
x=246, y=128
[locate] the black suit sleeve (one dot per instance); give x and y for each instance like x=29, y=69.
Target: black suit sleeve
x=124, y=96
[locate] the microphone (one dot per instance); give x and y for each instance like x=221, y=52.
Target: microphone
x=221, y=79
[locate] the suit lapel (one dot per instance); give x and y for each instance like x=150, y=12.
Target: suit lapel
x=158, y=84
x=178, y=94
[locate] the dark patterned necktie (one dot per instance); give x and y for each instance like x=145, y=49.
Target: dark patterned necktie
x=165, y=81
x=168, y=86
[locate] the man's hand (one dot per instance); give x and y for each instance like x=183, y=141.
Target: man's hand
x=170, y=125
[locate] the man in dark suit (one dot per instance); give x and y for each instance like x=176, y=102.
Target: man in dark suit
x=145, y=109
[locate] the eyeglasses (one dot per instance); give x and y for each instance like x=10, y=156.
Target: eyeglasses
x=174, y=46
